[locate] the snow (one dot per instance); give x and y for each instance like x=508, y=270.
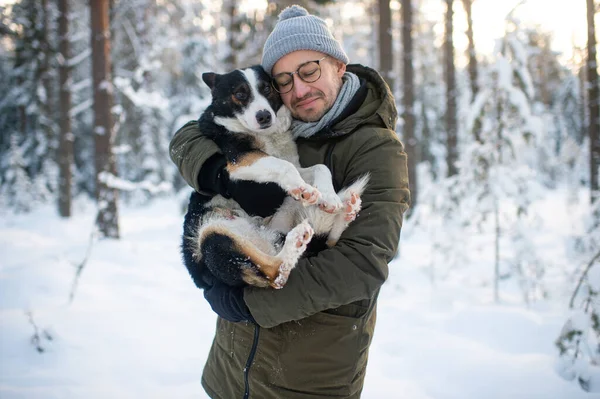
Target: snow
x=100, y=130
x=106, y=85
x=138, y=328
x=141, y=98
x=113, y=181
x=593, y=277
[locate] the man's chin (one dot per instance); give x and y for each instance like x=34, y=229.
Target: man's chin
x=308, y=115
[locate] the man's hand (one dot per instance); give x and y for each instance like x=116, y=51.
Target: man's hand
x=228, y=302
x=257, y=199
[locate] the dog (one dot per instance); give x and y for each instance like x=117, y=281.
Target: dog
x=249, y=123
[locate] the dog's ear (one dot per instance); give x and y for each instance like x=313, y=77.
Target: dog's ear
x=210, y=78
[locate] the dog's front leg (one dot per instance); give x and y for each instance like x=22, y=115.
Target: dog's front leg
x=320, y=177
x=263, y=168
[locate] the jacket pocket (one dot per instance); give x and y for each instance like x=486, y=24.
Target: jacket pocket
x=323, y=354
x=356, y=309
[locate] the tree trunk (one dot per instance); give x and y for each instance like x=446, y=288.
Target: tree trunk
x=472, y=65
x=496, y=251
x=408, y=99
x=593, y=99
x=20, y=61
x=451, y=134
x=582, y=79
x=45, y=67
x=232, y=33
x=386, y=64
x=107, y=220
x=471, y=50
x=65, y=148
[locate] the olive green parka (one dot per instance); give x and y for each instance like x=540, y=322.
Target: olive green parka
x=312, y=337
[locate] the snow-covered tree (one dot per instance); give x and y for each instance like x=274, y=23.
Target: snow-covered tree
x=496, y=182
x=429, y=97
x=107, y=220
x=408, y=100
x=17, y=189
x=579, y=340
x=25, y=112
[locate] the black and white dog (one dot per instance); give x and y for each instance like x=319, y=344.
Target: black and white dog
x=248, y=122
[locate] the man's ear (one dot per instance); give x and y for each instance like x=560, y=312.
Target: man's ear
x=341, y=68
x=210, y=78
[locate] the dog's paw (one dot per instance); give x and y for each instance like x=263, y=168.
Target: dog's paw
x=280, y=280
x=306, y=194
x=330, y=203
x=300, y=236
x=352, y=205
x=295, y=245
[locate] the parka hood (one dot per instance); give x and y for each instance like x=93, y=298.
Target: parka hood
x=377, y=109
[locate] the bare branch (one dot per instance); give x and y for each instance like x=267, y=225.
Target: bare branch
x=81, y=266
x=585, y=272
x=38, y=336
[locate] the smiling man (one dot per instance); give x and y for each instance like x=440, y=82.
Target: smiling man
x=311, y=338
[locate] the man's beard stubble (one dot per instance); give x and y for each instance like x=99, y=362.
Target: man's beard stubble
x=315, y=117
x=317, y=94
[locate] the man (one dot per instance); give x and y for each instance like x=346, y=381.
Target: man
x=311, y=338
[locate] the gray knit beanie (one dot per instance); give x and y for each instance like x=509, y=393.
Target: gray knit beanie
x=296, y=30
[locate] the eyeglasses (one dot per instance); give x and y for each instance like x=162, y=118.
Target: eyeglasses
x=309, y=72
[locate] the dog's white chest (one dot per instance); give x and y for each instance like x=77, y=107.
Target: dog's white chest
x=281, y=145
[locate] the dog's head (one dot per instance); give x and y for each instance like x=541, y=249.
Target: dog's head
x=244, y=101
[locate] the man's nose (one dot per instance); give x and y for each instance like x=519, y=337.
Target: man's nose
x=301, y=88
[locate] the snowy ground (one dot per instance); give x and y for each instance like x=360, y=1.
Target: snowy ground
x=138, y=328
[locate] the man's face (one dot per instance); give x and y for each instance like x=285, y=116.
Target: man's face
x=310, y=101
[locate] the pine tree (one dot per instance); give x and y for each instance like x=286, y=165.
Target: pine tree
x=408, y=99
x=65, y=151
x=579, y=339
x=386, y=59
x=106, y=196
x=594, y=105
x=17, y=189
x=25, y=109
x=492, y=192
x=451, y=92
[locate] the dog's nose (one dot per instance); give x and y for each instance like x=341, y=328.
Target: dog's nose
x=263, y=118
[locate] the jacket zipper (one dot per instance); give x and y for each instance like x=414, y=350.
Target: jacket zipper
x=250, y=360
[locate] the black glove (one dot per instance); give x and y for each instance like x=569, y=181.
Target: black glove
x=228, y=302
x=213, y=177
x=257, y=199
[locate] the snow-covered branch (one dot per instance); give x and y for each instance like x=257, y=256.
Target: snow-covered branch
x=84, y=106
x=79, y=58
x=115, y=182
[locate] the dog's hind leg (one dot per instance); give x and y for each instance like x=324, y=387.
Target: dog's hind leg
x=236, y=260
x=352, y=205
x=295, y=245
x=320, y=177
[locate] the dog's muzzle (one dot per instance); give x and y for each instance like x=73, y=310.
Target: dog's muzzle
x=264, y=119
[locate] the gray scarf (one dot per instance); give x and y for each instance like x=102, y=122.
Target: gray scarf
x=351, y=84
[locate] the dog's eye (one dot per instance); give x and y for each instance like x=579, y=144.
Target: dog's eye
x=242, y=96
x=267, y=90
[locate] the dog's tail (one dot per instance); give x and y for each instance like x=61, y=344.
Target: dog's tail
x=358, y=187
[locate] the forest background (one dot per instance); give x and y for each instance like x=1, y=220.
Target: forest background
x=499, y=114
